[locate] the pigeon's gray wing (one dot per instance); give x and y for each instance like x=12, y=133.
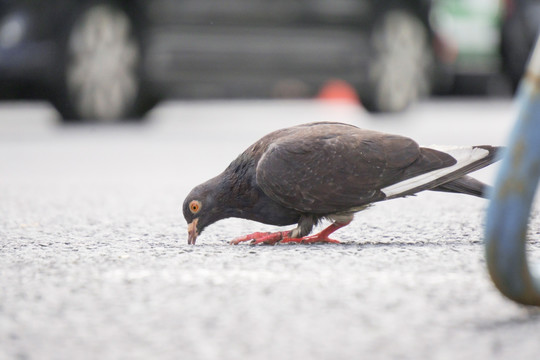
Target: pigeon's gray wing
x=336, y=168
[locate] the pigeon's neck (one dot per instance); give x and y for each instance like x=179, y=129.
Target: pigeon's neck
x=241, y=197
x=238, y=188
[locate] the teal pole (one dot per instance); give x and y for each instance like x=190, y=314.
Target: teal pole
x=512, y=197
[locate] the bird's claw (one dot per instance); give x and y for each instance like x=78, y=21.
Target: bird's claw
x=250, y=237
x=282, y=237
x=261, y=238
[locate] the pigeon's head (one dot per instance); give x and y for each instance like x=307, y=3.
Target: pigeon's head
x=200, y=209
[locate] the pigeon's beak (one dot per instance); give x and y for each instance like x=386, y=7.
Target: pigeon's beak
x=192, y=231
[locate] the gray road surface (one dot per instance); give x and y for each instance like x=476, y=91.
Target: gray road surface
x=94, y=262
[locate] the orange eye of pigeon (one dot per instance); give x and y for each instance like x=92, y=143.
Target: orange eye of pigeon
x=194, y=206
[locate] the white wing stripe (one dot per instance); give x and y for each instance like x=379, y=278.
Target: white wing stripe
x=463, y=155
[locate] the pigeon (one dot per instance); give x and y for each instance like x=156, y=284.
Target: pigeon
x=327, y=170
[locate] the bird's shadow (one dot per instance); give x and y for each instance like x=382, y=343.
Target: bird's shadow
x=356, y=244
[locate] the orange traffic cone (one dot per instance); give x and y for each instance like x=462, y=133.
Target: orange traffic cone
x=338, y=91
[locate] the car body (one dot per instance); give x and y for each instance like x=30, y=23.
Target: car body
x=109, y=59
x=471, y=28
x=520, y=29
x=486, y=39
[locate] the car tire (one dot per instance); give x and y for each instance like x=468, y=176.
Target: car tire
x=99, y=77
x=400, y=62
x=515, y=49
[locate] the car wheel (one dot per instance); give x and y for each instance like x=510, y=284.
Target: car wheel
x=400, y=63
x=515, y=49
x=100, y=77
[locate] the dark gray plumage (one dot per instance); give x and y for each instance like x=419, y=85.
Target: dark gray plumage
x=302, y=174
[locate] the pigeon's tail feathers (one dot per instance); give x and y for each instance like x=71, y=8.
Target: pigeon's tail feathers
x=467, y=159
x=464, y=185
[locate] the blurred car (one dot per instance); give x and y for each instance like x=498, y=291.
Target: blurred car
x=485, y=39
x=470, y=30
x=110, y=59
x=520, y=28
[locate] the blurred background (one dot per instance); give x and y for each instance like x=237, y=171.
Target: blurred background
x=104, y=60
x=95, y=262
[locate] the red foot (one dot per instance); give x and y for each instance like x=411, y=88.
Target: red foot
x=309, y=239
x=283, y=237
x=262, y=238
x=320, y=237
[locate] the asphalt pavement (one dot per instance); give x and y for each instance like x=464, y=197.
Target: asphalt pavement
x=95, y=263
